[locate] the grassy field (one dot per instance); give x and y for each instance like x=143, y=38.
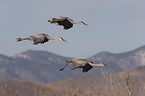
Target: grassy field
x=127, y=83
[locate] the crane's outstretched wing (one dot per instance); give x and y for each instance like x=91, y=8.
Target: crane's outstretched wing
x=87, y=67
x=64, y=21
x=67, y=24
x=79, y=59
x=39, y=39
x=83, y=61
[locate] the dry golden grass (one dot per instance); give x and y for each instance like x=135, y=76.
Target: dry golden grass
x=122, y=84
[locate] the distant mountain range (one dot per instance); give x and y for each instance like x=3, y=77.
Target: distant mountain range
x=42, y=66
x=121, y=61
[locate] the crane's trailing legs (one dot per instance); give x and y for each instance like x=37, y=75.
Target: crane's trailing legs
x=21, y=39
x=63, y=67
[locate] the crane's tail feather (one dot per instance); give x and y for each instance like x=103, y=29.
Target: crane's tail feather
x=21, y=39
x=49, y=20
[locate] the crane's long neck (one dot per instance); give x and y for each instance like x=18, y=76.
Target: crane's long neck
x=100, y=64
x=54, y=38
x=77, y=22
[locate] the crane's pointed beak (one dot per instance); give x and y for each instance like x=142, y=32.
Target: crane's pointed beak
x=85, y=24
x=105, y=65
x=63, y=40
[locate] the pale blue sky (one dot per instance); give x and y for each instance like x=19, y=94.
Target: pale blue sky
x=114, y=26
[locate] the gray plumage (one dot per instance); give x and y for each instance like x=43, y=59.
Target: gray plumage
x=82, y=63
x=40, y=38
x=66, y=22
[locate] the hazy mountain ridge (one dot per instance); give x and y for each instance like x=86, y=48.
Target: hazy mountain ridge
x=39, y=56
x=42, y=66
x=130, y=59
x=32, y=65
x=5, y=59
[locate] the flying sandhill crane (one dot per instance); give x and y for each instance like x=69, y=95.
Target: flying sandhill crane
x=40, y=38
x=66, y=22
x=82, y=63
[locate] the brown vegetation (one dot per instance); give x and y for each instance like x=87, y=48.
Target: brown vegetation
x=128, y=83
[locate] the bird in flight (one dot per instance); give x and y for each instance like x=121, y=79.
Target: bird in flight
x=66, y=22
x=40, y=38
x=82, y=63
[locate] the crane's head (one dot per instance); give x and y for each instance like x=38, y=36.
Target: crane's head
x=69, y=61
x=83, y=23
